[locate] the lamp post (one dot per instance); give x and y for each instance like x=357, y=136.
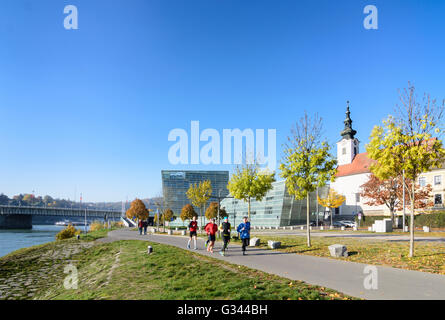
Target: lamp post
x=403, y=182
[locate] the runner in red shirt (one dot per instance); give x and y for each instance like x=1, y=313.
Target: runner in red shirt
x=193, y=226
x=211, y=229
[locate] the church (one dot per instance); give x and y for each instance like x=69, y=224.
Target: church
x=354, y=170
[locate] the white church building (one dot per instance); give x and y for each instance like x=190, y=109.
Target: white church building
x=353, y=171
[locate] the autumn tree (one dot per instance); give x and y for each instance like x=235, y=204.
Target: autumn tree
x=389, y=192
x=212, y=211
x=199, y=194
x=307, y=162
x=188, y=212
x=168, y=214
x=408, y=143
x=249, y=182
x=332, y=200
x=137, y=210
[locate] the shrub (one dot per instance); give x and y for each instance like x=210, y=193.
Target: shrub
x=432, y=220
x=96, y=225
x=67, y=233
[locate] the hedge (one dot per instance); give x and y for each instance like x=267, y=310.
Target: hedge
x=432, y=220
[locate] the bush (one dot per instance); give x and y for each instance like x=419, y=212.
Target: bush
x=96, y=225
x=67, y=233
x=432, y=220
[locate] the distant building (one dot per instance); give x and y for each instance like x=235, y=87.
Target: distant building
x=276, y=209
x=175, y=184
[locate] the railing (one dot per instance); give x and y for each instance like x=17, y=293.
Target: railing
x=48, y=211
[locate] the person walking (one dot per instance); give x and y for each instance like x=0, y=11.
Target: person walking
x=211, y=229
x=244, y=231
x=145, y=226
x=193, y=226
x=140, y=225
x=225, y=233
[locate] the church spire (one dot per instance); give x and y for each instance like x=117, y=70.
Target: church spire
x=348, y=132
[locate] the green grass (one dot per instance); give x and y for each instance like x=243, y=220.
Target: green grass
x=429, y=256
x=123, y=270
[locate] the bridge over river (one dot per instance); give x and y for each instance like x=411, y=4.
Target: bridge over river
x=18, y=217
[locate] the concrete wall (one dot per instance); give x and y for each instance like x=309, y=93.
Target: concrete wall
x=15, y=221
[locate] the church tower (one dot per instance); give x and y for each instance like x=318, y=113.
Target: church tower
x=348, y=146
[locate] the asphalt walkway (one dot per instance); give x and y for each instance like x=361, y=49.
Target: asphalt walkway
x=346, y=277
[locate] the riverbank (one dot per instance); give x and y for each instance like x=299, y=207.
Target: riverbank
x=123, y=270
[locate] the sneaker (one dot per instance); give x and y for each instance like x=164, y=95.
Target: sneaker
x=206, y=244
x=244, y=253
x=195, y=248
x=188, y=245
x=221, y=253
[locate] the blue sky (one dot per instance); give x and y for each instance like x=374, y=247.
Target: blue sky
x=90, y=109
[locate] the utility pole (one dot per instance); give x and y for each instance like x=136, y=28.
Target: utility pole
x=317, y=206
x=403, y=182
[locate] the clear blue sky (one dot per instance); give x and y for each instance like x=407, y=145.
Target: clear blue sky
x=90, y=109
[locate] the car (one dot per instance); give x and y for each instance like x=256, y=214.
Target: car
x=347, y=223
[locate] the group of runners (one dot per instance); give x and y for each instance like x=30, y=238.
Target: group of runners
x=211, y=229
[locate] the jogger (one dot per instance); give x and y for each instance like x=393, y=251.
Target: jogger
x=225, y=232
x=211, y=229
x=244, y=230
x=193, y=225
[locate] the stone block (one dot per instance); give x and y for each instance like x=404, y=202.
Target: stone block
x=426, y=229
x=183, y=232
x=254, y=242
x=169, y=232
x=338, y=250
x=273, y=244
x=321, y=228
x=343, y=228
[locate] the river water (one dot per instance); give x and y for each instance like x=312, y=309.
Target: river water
x=11, y=240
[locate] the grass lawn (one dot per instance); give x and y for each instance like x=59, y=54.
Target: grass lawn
x=123, y=270
x=429, y=256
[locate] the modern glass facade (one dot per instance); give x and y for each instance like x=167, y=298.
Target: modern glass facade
x=175, y=184
x=276, y=209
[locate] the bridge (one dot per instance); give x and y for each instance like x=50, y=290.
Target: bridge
x=18, y=217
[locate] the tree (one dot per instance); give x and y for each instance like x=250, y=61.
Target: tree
x=307, y=163
x=332, y=200
x=4, y=199
x=212, y=211
x=160, y=220
x=168, y=214
x=408, y=143
x=199, y=194
x=389, y=192
x=248, y=182
x=188, y=212
x=137, y=210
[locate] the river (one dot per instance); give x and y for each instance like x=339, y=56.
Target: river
x=11, y=240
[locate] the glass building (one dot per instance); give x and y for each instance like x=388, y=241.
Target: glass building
x=277, y=208
x=175, y=184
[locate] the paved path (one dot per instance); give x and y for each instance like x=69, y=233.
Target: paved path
x=349, y=234
x=346, y=277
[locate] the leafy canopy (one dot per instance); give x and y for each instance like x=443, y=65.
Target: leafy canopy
x=332, y=200
x=188, y=212
x=200, y=193
x=137, y=210
x=248, y=182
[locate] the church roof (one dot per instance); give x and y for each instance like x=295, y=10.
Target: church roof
x=360, y=164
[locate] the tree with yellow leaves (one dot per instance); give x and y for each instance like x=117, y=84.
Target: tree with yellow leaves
x=137, y=210
x=199, y=194
x=408, y=144
x=333, y=200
